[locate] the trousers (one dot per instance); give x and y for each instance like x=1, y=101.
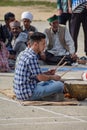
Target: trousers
x=76, y=20
x=47, y=88
x=53, y=60
x=64, y=17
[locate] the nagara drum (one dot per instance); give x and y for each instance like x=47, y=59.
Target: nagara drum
x=77, y=89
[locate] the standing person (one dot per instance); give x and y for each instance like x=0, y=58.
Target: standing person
x=79, y=16
x=8, y=17
x=28, y=74
x=27, y=18
x=64, y=11
x=59, y=43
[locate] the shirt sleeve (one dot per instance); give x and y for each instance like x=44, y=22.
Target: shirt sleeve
x=69, y=41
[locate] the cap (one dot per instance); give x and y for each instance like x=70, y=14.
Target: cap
x=52, y=19
x=15, y=24
x=27, y=15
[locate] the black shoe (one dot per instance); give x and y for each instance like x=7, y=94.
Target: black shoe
x=83, y=58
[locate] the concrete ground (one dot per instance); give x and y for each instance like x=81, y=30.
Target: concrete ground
x=14, y=116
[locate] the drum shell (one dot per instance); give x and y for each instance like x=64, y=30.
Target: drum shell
x=77, y=90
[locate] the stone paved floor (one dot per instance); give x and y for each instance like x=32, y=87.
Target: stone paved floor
x=14, y=116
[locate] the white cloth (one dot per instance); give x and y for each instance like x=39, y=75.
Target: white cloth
x=27, y=15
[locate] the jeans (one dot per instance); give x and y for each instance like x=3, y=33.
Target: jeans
x=47, y=88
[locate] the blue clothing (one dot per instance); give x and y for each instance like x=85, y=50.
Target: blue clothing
x=77, y=3
x=44, y=89
x=27, y=68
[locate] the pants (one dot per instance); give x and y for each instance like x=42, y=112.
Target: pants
x=47, y=88
x=53, y=60
x=76, y=20
x=64, y=17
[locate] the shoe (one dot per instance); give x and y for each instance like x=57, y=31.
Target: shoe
x=83, y=58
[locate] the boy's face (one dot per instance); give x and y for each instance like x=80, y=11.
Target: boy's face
x=41, y=45
x=26, y=23
x=11, y=19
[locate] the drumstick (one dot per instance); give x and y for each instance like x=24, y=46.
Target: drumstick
x=61, y=65
x=68, y=70
x=60, y=62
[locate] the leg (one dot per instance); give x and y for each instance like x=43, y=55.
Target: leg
x=64, y=18
x=84, y=24
x=74, y=27
x=44, y=89
x=51, y=59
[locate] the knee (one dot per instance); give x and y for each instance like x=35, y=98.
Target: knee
x=60, y=86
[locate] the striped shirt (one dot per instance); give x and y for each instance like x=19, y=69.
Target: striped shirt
x=27, y=68
x=78, y=5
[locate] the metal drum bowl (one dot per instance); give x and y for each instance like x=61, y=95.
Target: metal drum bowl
x=77, y=89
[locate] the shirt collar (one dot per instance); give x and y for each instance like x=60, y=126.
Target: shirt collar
x=33, y=52
x=55, y=31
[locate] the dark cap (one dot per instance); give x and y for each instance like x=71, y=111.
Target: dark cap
x=52, y=19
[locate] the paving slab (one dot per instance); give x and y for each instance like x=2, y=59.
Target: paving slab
x=14, y=116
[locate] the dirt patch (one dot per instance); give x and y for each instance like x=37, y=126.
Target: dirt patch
x=40, y=13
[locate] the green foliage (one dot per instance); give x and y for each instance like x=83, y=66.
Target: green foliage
x=26, y=3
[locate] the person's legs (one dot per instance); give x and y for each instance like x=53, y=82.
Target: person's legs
x=84, y=24
x=64, y=17
x=47, y=88
x=74, y=27
x=51, y=59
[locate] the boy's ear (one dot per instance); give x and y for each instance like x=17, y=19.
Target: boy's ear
x=50, y=24
x=35, y=43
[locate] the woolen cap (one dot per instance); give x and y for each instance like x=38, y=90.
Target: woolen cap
x=15, y=24
x=27, y=15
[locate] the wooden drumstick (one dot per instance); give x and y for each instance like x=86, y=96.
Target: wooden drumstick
x=68, y=70
x=61, y=65
x=60, y=62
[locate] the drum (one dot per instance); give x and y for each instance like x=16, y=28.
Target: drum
x=77, y=89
